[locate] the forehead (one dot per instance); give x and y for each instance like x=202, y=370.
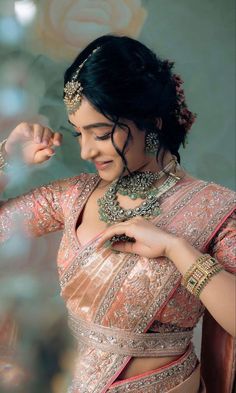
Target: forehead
x=85, y=114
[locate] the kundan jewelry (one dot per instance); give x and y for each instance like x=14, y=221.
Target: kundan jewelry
x=3, y=161
x=151, y=143
x=73, y=89
x=110, y=210
x=200, y=273
x=138, y=184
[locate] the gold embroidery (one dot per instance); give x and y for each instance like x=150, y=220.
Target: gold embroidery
x=124, y=342
x=130, y=311
x=160, y=381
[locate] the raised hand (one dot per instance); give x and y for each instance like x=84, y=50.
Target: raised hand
x=34, y=142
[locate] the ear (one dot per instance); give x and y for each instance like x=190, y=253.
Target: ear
x=159, y=122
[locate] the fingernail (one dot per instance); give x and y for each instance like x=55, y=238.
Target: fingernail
x=45, y=142
x=37, y=139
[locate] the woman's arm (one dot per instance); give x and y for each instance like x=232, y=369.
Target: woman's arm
x=219, y=294
x=39, y=211
x=33, y=214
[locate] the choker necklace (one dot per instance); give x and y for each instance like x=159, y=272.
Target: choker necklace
x=139, y=185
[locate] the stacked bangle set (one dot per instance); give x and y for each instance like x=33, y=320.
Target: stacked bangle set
x=200, y=273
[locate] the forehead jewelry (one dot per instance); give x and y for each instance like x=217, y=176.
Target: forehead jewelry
x=73, y=89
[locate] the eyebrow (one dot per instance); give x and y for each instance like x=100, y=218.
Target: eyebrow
x=93, y=125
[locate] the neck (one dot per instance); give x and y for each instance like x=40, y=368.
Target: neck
x=156, y=165
x=153, y=165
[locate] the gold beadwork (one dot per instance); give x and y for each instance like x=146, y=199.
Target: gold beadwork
x=200, y=273
x=126, y=342
x=3, y=162
x=73, y=89
x=73, y=96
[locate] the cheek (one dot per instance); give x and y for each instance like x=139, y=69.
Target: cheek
x=120, y=139
x=135, y=150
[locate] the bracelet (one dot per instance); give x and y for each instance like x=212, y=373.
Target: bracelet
x=3, y=161
x=200, y=273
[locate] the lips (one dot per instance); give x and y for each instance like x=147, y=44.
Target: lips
x=101, y=164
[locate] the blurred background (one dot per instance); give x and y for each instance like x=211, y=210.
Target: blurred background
x=38, y=40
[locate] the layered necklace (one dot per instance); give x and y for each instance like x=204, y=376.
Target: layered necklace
x=138, y=185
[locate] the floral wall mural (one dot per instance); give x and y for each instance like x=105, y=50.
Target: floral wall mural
x=64, y=27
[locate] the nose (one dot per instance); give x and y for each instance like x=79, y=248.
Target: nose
x=88, y=148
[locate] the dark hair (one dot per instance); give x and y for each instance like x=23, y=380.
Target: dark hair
x=125, y=79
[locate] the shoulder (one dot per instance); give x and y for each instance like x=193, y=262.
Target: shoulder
x=223, y=243
x=65, y=191
x=209, y=190
x=75, y=182
x=220, y=190
x=219, y=196
x=206, y=201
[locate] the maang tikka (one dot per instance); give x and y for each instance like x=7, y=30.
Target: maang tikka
x=151, y=143
x=73, y=89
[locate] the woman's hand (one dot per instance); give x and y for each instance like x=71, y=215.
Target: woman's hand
x=147, y=240
x=152, y=242
x=34, y=142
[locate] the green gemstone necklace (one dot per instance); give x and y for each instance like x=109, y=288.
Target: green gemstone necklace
x=139, y=185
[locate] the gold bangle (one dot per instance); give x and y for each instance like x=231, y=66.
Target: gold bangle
x=206, y=279
x=190, y=271
x=200, y=273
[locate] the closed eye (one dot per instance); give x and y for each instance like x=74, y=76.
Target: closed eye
x=103, y=137
x=76, y=134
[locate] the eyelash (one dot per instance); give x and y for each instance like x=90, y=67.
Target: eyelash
x=76, y=134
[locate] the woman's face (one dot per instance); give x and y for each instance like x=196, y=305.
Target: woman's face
x=96, y=146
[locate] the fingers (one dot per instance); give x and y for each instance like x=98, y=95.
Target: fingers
x=41, y=134
x=127, y=228
x=27, y=129
x=127, y=247
x=114, y=231
x=57, y=138
x=43, y=155
x=45, y=135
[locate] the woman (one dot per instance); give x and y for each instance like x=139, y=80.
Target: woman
x=145, y=246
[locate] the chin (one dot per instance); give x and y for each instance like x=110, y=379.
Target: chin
x=109, y=177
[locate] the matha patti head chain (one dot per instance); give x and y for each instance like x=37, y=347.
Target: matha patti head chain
x=73, y=89
x=73, y=96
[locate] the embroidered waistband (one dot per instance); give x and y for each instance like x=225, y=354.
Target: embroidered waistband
x=125, y=342
x=162, y=380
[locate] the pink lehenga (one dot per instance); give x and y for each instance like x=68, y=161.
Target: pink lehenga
x=121, y=305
